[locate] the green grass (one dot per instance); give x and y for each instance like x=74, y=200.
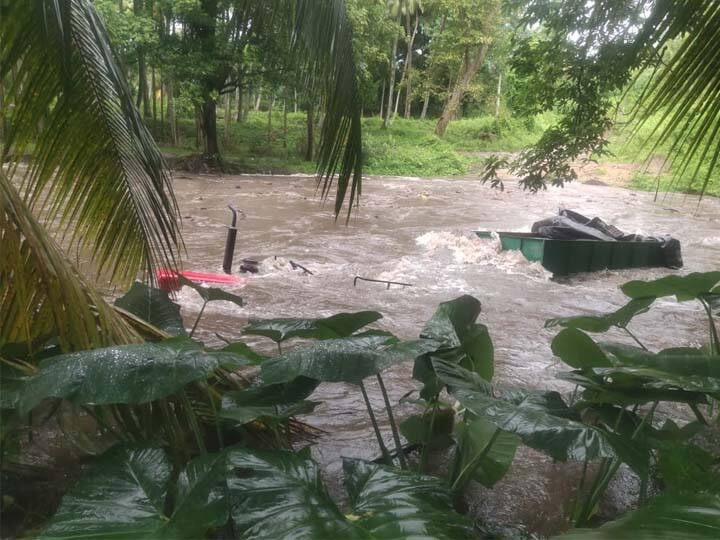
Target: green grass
x=406, y=148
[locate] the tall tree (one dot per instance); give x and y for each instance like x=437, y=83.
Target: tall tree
x=468, y=32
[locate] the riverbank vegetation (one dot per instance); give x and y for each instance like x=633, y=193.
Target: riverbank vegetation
x=157, y=435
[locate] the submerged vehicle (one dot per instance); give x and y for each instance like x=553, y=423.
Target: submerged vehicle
x=570, y=243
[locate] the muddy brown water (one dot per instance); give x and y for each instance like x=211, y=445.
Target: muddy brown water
x=418, y=231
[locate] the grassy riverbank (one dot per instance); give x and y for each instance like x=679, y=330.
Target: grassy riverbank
x=411, y=148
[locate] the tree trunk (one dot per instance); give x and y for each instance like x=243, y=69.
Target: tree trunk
x=152, y=94
x=259, y=98
x=408, y=63
x=209, y=128
x=162, y=108
x=285, y=113
x=310, y=132
x=426, y=102
x=239, y=98
x=295, y=106
x=451, y=106
x=246, y=106
x=498, y=96
x=226, y=119
x=382, y=99
x=391, y=85
x=3, y=127
x=171, y=112
x=142, y=95
x=271, y=102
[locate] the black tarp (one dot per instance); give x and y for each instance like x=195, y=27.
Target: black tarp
x=569, y=225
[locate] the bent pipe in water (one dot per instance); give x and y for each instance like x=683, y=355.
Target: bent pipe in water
x=230, y=242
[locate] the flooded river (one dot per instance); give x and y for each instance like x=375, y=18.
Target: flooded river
x=418, y=232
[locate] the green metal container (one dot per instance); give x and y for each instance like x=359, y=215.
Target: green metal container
x=563, y=257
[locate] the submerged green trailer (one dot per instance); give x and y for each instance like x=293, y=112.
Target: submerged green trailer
x=563, y=257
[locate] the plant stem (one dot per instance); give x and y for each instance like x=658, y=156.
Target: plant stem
x=373, y=421
x=698, y=414
x=629, y=333
x=218, y=430
x=714, y=339
x=393, y=425
x=197, y=321
x=460, y=482
x=424, y=452
x=193, y=421
x=279, y=348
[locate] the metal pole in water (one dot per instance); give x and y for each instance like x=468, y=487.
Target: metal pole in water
x=230, y=242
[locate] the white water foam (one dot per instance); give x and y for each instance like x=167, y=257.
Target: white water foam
x=468, y=248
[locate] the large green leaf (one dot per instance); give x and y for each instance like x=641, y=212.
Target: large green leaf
x=394, y=504
x=274, y=394
x=690, y=516
x=432, y=428
x=347, y=360
x=131, y=374
x=686, y=467
x=473, y=457
x=277, y=495
x=337, y=326
x=602, y=323
x=154, y=306
x=125, y=494
x=542, y=421
x=243, y=414
x=683, y=288
x=455, y=376
x=453, y=325
x=244, y=351
x=212, y=294
x=578, y=350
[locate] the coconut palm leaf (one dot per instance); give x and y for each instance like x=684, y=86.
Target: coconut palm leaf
x=323, y=40
x=95, y=172
x=685, y=92
x=41, y=294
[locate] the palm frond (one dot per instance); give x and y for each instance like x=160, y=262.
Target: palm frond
x=95, y=170
x=685, y=92
x=41, y=294
x=323, y=40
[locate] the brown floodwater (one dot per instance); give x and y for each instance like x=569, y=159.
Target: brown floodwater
x=418, y=231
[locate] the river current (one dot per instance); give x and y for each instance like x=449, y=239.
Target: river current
x=418, y=231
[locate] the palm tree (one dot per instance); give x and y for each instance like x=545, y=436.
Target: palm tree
x=96, y=174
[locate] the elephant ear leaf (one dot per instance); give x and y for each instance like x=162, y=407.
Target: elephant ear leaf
x=124, y=495
x=138, y=477
x=690, y=516
x=280, y=495
x=684, y=288
x=131, y=374
x=334, y=327
x=153, y=306
x=388, y=503
x=602, y=323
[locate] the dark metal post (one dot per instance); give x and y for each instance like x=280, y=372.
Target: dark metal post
x=230, y=242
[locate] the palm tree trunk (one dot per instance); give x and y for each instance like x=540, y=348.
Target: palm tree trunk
x=391, y=85
x=408, y=86
x=310, y=132
x=239, y=100
x=259, y=98
x=470, y=69
x=382, y=99
x=171, y=112
x=208, y=119
x=269, y=124
x=498, y=96
x=426, y=102
x=152, y=94
x=226, y=119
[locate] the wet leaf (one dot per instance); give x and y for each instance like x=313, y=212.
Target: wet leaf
x=396, y=504
x=347, y=360
x=212, y=294
x=462, y=339
x=130, y=374
x=277, y=495
x=578, y=350
x=686, y=467
x=274, y=394
x=542, y=421
x=154, y=306
x=472, y=457
x=337, y=326
x=683, y=288
x=244, y=351
x=243, y=414
x=602, y=323
x=669, y=516
x=123, y=495
x=422, y=429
